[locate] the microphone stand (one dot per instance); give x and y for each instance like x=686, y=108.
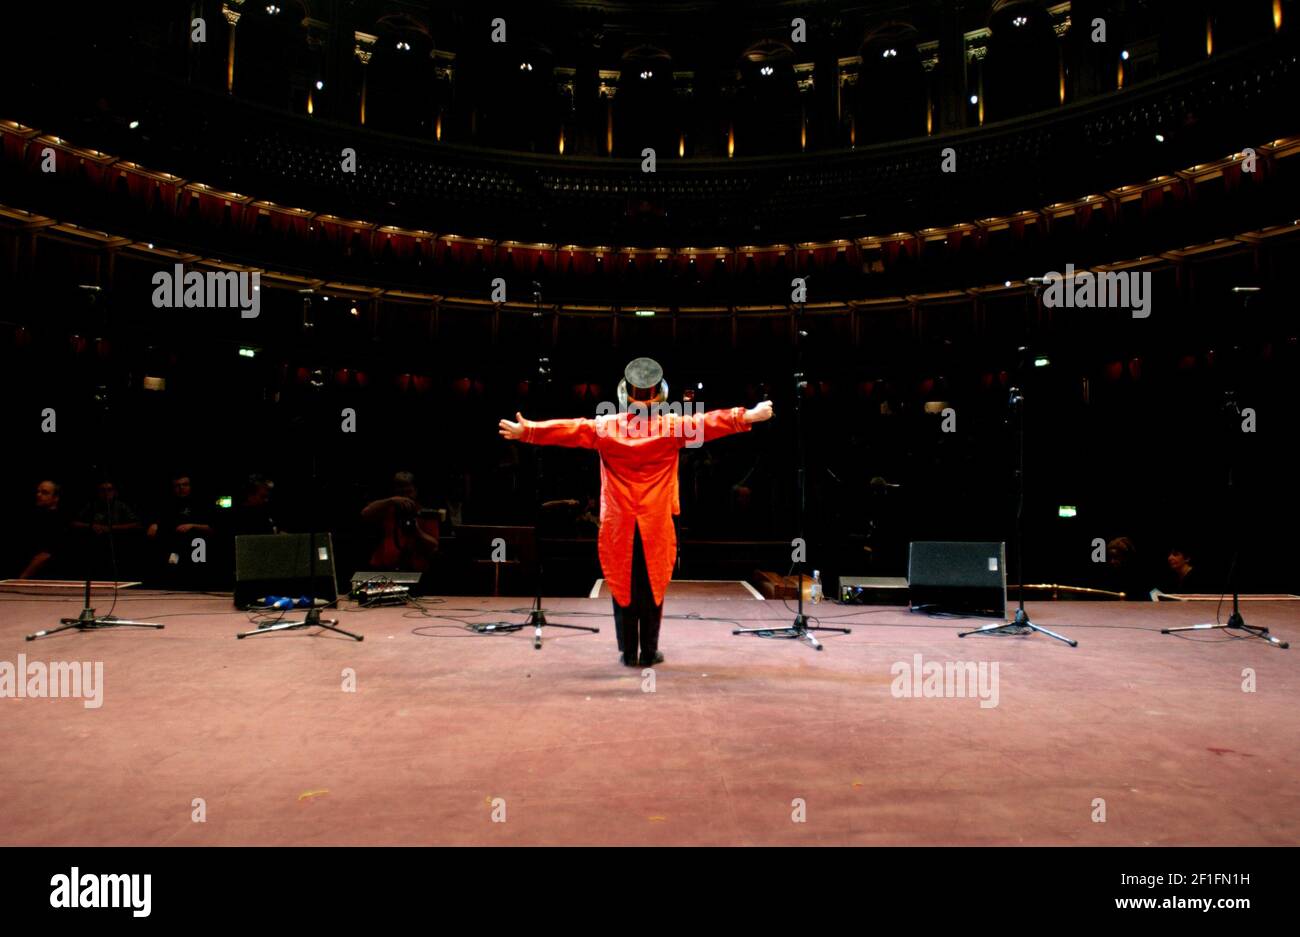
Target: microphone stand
x=1021, y=624
x=87, y=620
x=1235, y=621
x=312, y=619
x=799, y=629
x=537, y=615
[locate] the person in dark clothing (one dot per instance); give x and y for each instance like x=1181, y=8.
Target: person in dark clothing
x=113, y=527
x=45, y=542
x=252, y=515
x=181, y=520
x=1183, y=578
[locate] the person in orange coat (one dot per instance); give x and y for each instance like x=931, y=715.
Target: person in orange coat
x=638, y=449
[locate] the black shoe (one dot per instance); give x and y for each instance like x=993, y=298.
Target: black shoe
x=623, y=659
x=659, y=659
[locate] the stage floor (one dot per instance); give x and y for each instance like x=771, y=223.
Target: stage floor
x=741, y=736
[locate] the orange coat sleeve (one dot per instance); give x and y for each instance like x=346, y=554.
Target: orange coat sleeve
x=714, y=425
x=580, y=434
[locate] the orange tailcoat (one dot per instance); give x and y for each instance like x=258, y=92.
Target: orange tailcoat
x=638, y=483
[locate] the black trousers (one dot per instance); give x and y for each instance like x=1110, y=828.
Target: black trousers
x=638, y=622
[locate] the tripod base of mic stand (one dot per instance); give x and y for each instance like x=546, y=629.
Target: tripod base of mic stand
x=1019, y=625
x=799, y=630
x=1236, y=623
x=313, y=620
x=87, y=621
x=537, y=621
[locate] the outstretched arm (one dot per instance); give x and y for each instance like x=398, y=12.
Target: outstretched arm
x=574, y=433
x=718, y=423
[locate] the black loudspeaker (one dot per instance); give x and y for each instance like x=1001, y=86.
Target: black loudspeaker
x=958, y=577
x=281, y=564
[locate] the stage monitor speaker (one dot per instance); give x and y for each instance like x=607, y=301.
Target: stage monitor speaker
x=280, y=564
x=958, y=577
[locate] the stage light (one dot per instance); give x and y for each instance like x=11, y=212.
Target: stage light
x=766, y=70
x=403, y=46
x=1042, y=362
x=647, y=74
x=1124, y=55
x=225, y=501
x=645, y=312
x=525, y=66
x=1007, y=283
x=353, y=310
x=154, y=383
x=272, y=9
x=134, y=125
x=1020, y=21
x=247, y=353
x=699, y=386
x=889, y=54
x=1067, y=510
x=974, y=99
x=1160, y=138
x=320, y=85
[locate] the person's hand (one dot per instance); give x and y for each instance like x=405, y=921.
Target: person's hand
x=152, y=531
x=759, y=413
x=509, y=430
x=405, y=505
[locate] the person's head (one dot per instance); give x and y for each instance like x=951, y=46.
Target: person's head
x=404, y=485
x=1180, y=557
x=257, y=491
x=47, y=495
x=105, y=490
x=181, y=488
x=1121, y=552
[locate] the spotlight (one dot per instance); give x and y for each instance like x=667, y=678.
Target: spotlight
x=525, y=66
x=134, y=125
x=1020, y=21
x=974, y=99
x=766, y=70
x=403, y=46
x=1160, y=138
x=320, y=85
x=889, y=54
x=1124, y=55
x=272, y=9
x=647, y=74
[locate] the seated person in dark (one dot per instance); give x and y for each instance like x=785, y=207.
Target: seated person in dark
x=111, y=525
x=402, y=539
x=181, y=519
x=252, y=513
x=1124, y=571
x=44, y=549
x=1182, y=577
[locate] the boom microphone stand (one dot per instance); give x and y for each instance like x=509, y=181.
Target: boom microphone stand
x=1235, y=621
x=799, y=629
x=1021, y=624
x=87, y=620
x=537, y=615
x=313, y=619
